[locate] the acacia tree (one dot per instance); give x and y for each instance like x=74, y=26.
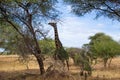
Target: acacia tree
x=104, y=46
x=26, y=17
x=107, y=8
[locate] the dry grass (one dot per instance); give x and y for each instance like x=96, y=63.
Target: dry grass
x=112, y=72
x=11, y=63
x=12, y=69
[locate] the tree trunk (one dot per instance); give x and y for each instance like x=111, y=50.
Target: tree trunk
x=37, y=50
x=40, y=63
x=105, y=62
x=109, y=62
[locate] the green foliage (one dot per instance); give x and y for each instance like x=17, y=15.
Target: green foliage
x=107, y=8
x=62, y=53
x=47, y=46
x=8, y=38
x=104, y=46
x=27, y=18
x=12, y=41
x=82, y=60
x=73, y=51
x=24, y=17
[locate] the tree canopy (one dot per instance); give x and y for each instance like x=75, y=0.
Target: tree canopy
x=27, y=18
x=107, y=8
x=47, y=46
x=103, y=46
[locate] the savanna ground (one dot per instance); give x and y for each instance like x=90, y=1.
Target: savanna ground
x=12, y=69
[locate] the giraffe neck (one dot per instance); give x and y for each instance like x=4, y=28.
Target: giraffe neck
x=57, y=41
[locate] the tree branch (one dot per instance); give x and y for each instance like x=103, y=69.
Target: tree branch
x=41, y=33
x=112, y=10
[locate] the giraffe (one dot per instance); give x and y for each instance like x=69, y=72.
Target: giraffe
x=60, y=53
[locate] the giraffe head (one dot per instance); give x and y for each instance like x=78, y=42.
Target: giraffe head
x=53, y=24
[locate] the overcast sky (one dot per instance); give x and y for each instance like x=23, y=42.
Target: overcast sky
x=74, y=31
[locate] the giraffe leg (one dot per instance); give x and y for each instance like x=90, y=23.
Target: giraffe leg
x=63, y=63
x=67, y=64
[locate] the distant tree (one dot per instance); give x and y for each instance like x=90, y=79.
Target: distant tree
x=81, y=58
x=73, y=51
x=26, y=17
x=104, y=46
x=92, y=58
x=107, y=8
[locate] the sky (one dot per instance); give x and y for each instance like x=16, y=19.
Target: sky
x=74, y=31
